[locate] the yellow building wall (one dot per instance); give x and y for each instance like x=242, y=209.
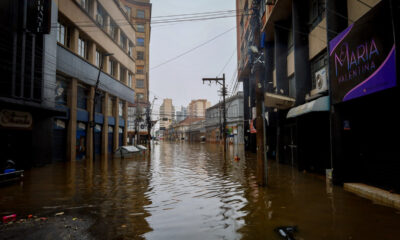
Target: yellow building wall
x=317, y=39
x=355, y=9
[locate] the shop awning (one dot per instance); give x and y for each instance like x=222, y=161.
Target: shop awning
x=278, y=101
x=319, y=105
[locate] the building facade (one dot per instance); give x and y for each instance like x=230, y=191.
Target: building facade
x=139, y=11
x=28, y=82
x=181, y=114
x=167, y=114
x=320, y=113
x=197, y=108
x=83, y=44
x=234, y=123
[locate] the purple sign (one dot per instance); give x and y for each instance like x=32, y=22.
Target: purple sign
x=362, y=57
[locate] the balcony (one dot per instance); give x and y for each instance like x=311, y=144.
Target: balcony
x=76, y=67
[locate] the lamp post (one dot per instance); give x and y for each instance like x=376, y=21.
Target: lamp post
x=93, y=122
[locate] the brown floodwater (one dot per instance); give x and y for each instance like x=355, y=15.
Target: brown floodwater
x=189, y=191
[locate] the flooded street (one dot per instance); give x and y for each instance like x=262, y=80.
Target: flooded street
x=188, y=191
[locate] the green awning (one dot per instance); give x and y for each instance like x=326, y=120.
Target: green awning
x=321, y=104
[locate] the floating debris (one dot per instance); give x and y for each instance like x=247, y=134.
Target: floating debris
x=286, y=232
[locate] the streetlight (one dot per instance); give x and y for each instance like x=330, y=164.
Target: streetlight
x=93, y=122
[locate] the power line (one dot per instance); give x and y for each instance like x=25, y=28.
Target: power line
x=192, y=49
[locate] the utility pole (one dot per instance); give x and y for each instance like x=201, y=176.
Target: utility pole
x=256, y=70
x=221, y=81
x=149, y=124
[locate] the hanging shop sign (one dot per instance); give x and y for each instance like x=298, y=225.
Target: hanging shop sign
x=39, y=16
x=15, y=119
x=362, y=57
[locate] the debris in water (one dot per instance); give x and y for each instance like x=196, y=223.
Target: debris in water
x=74, y=219
x=60, y=214
x=9, y=218
x=286, y=232
x=123, y=226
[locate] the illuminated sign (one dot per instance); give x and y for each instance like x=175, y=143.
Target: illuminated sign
x=362, y=57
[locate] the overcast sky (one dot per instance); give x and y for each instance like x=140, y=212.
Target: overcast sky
x=180, y=80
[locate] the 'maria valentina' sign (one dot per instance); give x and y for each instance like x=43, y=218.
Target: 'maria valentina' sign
x=362, y=57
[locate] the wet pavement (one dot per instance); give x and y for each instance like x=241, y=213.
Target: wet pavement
x=187, y=191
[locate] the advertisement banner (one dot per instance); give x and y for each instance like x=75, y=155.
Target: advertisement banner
x=362, y=57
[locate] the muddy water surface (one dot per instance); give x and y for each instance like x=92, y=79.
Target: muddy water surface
x=188, y=191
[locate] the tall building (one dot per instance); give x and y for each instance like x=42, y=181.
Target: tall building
x=197, y=108
x=328, y=72
x=167, y=114
x=181, y=114
x=88, y=40
x=139, y=11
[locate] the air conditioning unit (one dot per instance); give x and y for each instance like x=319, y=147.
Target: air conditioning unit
x=321, y=82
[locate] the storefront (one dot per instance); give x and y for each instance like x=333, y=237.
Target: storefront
x=80, y=140
x=59, y=140
x=110, y=139
x=97, y=139
x=16, y=131
x=364, y=94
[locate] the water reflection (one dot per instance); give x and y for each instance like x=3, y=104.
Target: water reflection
x=188, y=191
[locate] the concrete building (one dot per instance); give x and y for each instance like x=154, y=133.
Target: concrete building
x=181, y=114
x=234, y=117
x=167, y=114
x=70, y=54
x=197, y=108
x=27, y=91
x=321, y=114
x=139, y=11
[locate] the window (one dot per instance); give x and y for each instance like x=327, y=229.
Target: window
x=130, y=49
x=318, y=63
x=140, y=55
x=140, y=69
x=122, y=74
x=101, y=16
x=61, y=33
x=128, y=11
x=120, y=108
x=140, y=96
x=85, y=4
x=129, y=80
x=123, y=40
x=317, y=10
x=111, y=66
x=140, y=83
x=140, y=27
x=113, y=29
x=82, y=97
x=61, y=90
x=140, y=14
x=99, y=58
x=140, y=41
x=82, y=48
